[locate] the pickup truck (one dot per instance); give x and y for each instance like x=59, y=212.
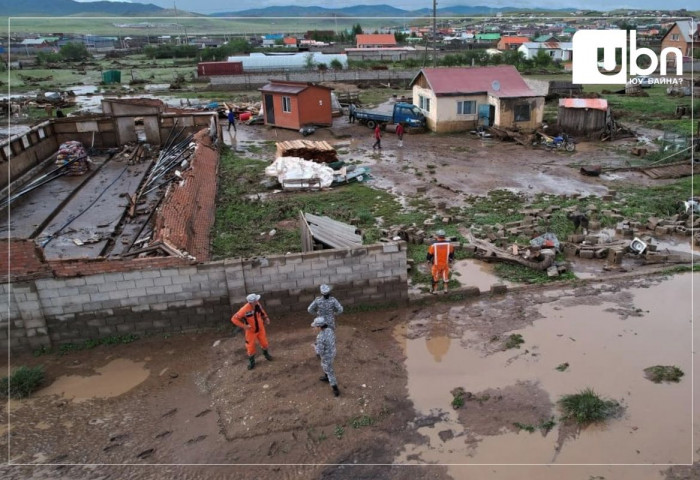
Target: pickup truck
x=406, y=113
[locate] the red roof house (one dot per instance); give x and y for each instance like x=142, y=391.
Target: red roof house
x=511, y=43
x=293, y=105
x=375, y=40
x=455, y=99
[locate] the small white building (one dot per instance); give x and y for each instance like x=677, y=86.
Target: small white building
x=558, y=51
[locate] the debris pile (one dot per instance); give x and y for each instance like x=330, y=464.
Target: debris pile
x=320, y=152
x=73, y=157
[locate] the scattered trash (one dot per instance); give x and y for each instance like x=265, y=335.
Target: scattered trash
x=638, y=246
x=546, y=240
x=295, y=173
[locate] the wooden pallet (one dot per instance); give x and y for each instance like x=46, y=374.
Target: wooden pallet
x=675, y=170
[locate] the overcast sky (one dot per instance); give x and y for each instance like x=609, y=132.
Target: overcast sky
x=215, y=6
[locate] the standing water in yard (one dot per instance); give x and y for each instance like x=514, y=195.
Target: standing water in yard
x=601, y=337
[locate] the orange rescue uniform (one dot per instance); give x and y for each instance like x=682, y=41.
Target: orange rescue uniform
x=252, y=316
x=441, y=253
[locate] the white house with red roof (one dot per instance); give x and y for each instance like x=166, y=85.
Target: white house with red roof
x=461, y=98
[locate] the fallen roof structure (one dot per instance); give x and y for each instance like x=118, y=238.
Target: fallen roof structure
x=329, y=232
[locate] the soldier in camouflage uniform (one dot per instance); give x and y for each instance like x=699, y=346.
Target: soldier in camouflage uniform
x=326, y=306
x=325, y=350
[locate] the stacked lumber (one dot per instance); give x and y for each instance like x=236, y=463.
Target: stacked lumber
x=319, y=152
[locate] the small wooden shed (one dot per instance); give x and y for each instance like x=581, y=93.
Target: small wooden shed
x=293, y=105
x=582, y=116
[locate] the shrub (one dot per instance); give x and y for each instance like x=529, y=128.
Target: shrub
x=23, y=382
x=587, y=407
x=663, y=373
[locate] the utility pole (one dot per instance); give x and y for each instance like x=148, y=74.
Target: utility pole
x=434, y=32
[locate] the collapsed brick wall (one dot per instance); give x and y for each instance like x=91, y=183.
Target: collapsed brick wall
x=149, y=300
x=22, y=259
x=187, y=216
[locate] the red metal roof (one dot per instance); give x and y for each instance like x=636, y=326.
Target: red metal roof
x=502, y=81
x=514, y=40
x=594, y=103
x=375, y=39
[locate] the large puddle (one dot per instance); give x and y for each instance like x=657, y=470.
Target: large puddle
x=607, y=345
x=117, y=377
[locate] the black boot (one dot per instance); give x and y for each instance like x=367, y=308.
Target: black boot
x=336, y=392
x=267, y=356
x=251, y=362
x=324, y=378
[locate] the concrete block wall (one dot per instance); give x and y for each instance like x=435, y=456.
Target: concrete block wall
x=53, y=311
x=20, y=153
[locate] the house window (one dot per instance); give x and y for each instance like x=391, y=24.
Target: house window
x=522, y=113
x=286, y=104
x=424, y=103
x=466, y=107
x=675, y=37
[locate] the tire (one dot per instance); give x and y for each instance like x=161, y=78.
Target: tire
x=371, y=124
x=570, y=146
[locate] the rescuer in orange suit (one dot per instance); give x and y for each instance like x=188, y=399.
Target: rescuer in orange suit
x=440, y=254
x=250, y=318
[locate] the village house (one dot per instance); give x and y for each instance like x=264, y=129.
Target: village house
x=271, y=39
x=375, y=40
x=558, y=51
x=293, y=105
x=458, y=99
x=682, y=36
x=511, y=43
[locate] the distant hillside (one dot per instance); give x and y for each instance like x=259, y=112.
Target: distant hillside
x=292, y=11
x=54, y=8
x=369, y=11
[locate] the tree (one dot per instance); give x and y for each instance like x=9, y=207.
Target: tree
x=74, y=52
x=336, y=64
x=356, y=29
x=542, y=59
x=309, y=61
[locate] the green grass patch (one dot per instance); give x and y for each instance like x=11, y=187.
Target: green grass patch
x=339, y=432
x=521, y=274
x=587, y=407
x=458, y=398
x=562, y=367
x=244, y=217
x=663, y=373
x=524, y=426
x=361, y=421
x=22, y=382
x=87, y=344
x=514, y=341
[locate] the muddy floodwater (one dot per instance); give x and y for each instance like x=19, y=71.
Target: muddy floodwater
x=607, y=338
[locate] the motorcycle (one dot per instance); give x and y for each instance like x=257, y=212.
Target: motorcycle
x=559, y=142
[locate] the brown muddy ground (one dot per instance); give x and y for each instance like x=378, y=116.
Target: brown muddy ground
x=161, y=407
x=199, y=404
x=464, y=164
x=189, y=400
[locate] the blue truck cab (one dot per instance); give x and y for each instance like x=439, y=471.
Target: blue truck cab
x=401, y=112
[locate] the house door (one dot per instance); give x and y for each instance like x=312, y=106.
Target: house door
x=486, y=114
x=269, y=110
